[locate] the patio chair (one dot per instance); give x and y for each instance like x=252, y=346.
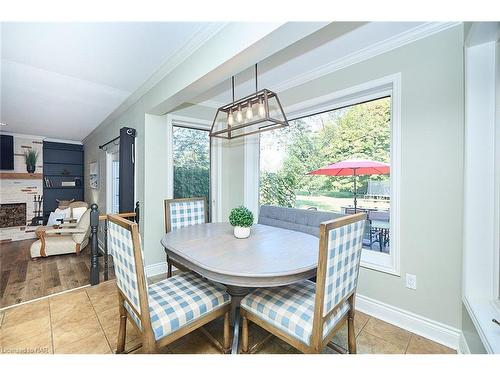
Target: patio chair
x=306, y=315
x=380, y=235
x=167, y=310
x=180, y=213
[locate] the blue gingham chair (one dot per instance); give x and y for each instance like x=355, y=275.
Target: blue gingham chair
x=164, y=311
x=307, y=314
x=180, y=213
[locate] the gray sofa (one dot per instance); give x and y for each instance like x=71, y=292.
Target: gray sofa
x=300, y=220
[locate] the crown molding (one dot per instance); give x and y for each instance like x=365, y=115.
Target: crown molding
x=40, y=137
x=407, y=37
x=419, y=32
x=203, y=35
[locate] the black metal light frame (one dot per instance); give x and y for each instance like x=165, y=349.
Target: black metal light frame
x=259, y=97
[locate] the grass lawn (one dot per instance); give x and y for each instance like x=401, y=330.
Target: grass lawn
x=325, y=203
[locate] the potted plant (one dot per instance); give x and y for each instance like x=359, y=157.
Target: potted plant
x=31, y=157
x=241, y=218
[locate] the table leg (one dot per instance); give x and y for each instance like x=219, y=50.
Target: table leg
x=237, y=293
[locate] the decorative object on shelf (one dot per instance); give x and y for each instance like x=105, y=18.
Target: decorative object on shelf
x=255, y=113
x=93, y=175
x=241, y=218
x=31, y=156
x=78, y=181
x=68, y=183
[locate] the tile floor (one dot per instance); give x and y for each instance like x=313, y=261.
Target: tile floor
x=86, y=321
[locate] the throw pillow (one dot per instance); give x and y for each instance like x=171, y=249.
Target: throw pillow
x=64, y=203
x=53, y=217
x=65, y=211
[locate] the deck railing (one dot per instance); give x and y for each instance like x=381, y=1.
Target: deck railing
x=95, y=219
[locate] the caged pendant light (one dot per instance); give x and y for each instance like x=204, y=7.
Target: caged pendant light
x=255, y=113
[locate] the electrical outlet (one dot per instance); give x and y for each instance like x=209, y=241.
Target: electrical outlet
x=411, y=281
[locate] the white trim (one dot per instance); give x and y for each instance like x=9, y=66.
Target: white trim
x=251, y=173
x=407, y=37
x=215, y=161
x=156, y=269
x=388, y=85
x=40, y=138
x=420, y=325
x=481, y=274
x=463, y=347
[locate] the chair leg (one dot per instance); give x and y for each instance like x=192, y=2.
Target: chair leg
x=244, y=335
x=122, y=331
x=169, y=268
x=351, y=335
x=227, y=333
x=149, y=346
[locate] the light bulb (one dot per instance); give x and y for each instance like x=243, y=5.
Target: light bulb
x=239, y=115
x=262, y=109
x=230, y=118
x=249, y=112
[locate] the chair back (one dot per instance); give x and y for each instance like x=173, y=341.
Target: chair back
x=183, y=212
x=341, y=242
x=124, y=242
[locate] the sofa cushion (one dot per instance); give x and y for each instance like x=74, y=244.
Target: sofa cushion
x=300, y=220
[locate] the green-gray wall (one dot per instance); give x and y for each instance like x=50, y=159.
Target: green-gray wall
x=432, y=126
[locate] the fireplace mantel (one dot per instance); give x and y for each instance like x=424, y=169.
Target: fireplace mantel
x=20, y=176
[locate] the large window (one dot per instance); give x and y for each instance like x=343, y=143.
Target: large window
x=191, y=162
x=360, y=131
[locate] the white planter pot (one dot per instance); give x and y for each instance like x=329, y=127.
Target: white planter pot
x=241, y=232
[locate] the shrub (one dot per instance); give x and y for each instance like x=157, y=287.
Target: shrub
x=241, y=217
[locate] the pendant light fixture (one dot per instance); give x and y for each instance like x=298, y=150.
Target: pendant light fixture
x=255, y=113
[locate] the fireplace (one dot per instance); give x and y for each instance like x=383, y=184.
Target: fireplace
x=12, y=215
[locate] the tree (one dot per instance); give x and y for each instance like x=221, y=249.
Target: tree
x=358, y=131
x=191, y=153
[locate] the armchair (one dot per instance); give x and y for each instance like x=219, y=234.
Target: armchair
x=64, y=239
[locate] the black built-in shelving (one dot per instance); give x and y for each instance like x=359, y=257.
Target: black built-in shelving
x=61, y=162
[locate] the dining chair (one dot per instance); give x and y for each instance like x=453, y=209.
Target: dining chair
x=183, y=212
x=306, y=315
x=164, y=311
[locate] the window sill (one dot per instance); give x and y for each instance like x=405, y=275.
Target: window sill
x=381, y=262
x=481, y=311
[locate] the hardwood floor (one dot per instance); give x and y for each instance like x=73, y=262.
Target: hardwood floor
x=23, y=279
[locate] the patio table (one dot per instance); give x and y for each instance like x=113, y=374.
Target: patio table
x=269, y=257
x=383, y=227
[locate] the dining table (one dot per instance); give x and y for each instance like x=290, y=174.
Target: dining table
x=269, y=257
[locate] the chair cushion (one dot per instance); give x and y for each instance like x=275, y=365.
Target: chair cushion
x=180, y=300
x=290, y=309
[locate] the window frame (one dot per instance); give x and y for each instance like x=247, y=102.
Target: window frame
x=215, y=201
x=382, y=87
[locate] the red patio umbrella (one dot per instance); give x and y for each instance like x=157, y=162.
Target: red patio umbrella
x=353, y=167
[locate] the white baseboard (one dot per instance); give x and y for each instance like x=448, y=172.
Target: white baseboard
x=430, y=329
x=463, y=347
x=156, y=269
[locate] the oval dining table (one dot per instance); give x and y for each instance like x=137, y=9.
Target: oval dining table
x=270, y=257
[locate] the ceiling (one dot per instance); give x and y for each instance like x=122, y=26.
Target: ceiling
x=336, y=42
x=61, y=80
